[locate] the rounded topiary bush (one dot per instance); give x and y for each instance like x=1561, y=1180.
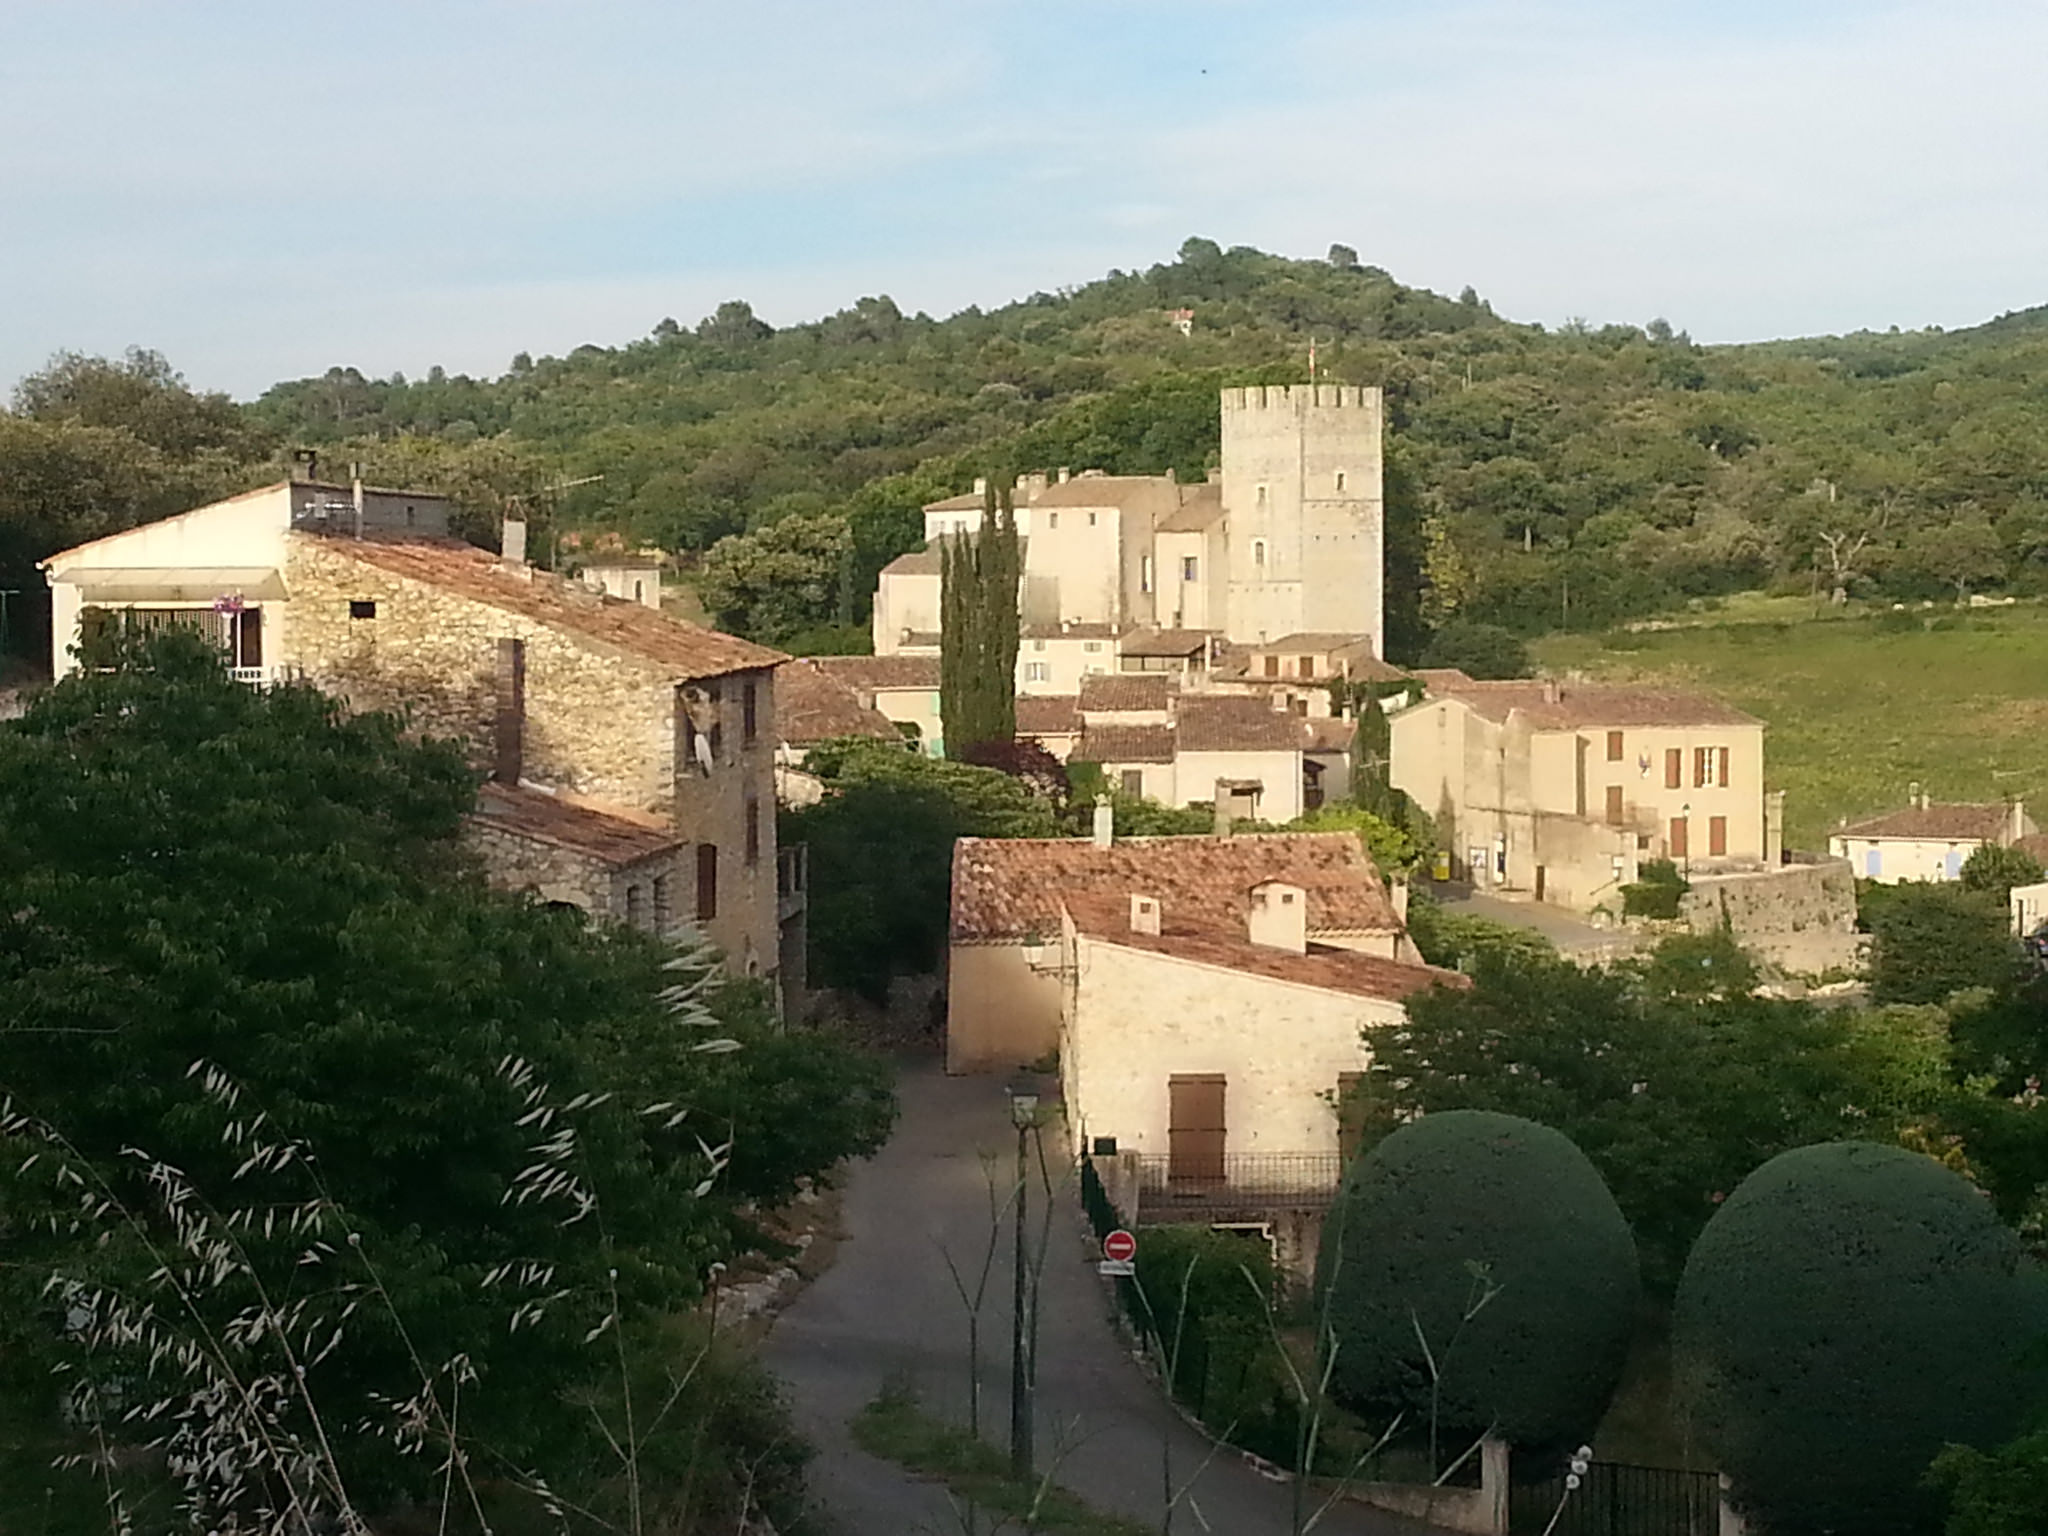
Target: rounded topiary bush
x=1445, y=1209
x=1851, y=1309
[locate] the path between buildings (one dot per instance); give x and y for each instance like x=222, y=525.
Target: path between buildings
x=1573, y=935
x=886, y=1309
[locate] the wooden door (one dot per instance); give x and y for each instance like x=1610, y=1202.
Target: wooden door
x=1614, y=812
x=249, y=638
x=1678, y=837
x=1195, y=1128
x=1717, y=836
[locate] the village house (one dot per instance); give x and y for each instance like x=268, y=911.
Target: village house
x=904, y=688
x=1927, y=840
x=812, y=705
x=1559, y=791
x=1250, y=758
x=556, y=689
x=1003, y=989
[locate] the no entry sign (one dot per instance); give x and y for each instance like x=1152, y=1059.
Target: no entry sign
x=1120, y=1247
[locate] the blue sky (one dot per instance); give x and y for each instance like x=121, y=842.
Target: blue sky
x=262, y=189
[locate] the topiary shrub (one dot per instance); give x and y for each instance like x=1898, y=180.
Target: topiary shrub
x=1446, y=1210
x=1850, y=1310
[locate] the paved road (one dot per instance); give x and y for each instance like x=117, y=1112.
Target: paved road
x=1572, y=934
x=887, y=1309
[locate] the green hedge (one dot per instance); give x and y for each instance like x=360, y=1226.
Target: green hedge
x=1656, y=892
x=1451, y=1207
x=1850, y=1310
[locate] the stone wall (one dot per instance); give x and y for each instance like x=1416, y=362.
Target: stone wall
x=653, y=893
x=1801, y=917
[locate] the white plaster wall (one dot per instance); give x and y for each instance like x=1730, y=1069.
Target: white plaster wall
x=1066, y=658
x=904, y=601
x=1081, y=559
x=1904, y=858
x=1196, y=773
x=918, y=707
x=1133, y=1019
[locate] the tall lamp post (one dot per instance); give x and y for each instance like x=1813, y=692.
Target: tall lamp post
x=1685, y=817
x=1023, y=1115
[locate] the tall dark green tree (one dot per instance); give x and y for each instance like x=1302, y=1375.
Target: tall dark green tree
x=978, y=619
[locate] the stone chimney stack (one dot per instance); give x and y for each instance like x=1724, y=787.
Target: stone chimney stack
x=1552, y=693
x=1105, y=823
x=1913, y=795
x=1221, y=826
x=1278, y=917
x=512, y=541
x=2016, y=820
x=1397, y=892
x=1145, y=915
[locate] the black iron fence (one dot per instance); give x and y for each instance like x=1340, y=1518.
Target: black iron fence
x=1617, y=1499
x=1293, y=1178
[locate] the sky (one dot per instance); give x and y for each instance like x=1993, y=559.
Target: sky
x=261, y=190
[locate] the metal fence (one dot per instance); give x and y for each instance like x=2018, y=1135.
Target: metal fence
x=1295, y=1178
x=1618, y=1499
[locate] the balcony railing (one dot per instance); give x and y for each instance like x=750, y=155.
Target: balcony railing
x=1294, y=1179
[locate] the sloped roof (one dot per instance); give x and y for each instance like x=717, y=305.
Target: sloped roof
x=918, y=562
x=1092, y=490
x=1165, y=642
x=1012, y=888
x=1201, y=506
x=1939, y=822
x=1329, y=734
x=872, y=672
x=1107, y=921
x=1124, y=744
x=1072, y=629
x=966, y=501
x=1595, y=706
x=1047, y=714
x=1224, y=722
x=680, y=648
x=610, y=835
x=812, y=705
x=1126, y=693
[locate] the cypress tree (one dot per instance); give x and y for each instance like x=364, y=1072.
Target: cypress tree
x=978, y=628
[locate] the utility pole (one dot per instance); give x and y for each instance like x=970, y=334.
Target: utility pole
x=1023, y=1332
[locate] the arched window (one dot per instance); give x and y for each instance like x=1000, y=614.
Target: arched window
x=1258, y=552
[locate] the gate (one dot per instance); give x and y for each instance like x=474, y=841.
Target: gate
x=1617, y=1499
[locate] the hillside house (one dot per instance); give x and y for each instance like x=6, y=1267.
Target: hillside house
x=1251, y=759
x=904, y=688
x=1928, y=839
x=813, y=705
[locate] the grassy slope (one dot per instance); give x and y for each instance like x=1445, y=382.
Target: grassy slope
x=1859, y=706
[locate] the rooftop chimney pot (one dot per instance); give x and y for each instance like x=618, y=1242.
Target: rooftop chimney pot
x=1277, y=917
x=1145, y=915
x=512, y=543
x=1105, y=824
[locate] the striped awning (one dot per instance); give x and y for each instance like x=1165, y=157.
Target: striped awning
x=172, y=584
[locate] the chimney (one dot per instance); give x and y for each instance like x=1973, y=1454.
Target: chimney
x=511, y=719
x=1105, y=823
x=1551, y=691
x=1145, y=915
x=512, y=542
x=981, y=485
x=2016, y=820
x=1066, y=474
x=1913, y=795
x=1222, y=823
x=1278, y=917
x=306, y=464
x=1397, y=891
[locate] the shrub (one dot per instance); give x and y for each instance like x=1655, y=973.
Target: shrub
x=1996, y=868
x=1656, y=891
x=1931, y=941
x=1479, y=650
x=1496, y=1239
x=1850, y=1310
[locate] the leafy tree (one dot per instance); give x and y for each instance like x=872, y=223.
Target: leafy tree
x=1930, y=940
x=1996, y=868
x=1850, y=1310
x=1481, y=650
x=1481, y=1277
x=142, y=395
x=1027, y=761
x=978, y=628
x=2000, y=1492
x=1202, y=1291
x=1393, y=848
x=779, y=581
x=1964, y=554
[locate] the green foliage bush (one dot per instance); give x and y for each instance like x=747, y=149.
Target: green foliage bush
x=2001, y=1492
x=1459, y=940
x=1478, y=649
x=1932, y=940
x=1849, y=1311
x=1996, y=868
x=1495, y=1239
x=1656, y=892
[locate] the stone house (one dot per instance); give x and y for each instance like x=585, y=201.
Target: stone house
x=1003, y=967
x=1928, y=839
x=552, y=685
x=630, y=867
x=1559, y=791
x=1051, y=720
x=902, y=687
x=813, y=705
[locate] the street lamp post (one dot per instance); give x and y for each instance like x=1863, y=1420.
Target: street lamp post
x=1685, y=819
x=1023, y=1114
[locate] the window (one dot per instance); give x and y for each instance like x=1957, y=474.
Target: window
x=664, y=915
x=753, y=833
x=1702, y=767
x=1036, y=672
x=1052, y=519
x=1187, y=567
x=1144, y=573
x=1674, y=767
x=1091, y=646
x=639, y=592
x=1350, y=1116
x=750, y=702
x=1614, y=816
x=1091, y=519
x=707, y=882
x=362, y=608
x=1134, y=782
x=1614, y=746
x=1721, y=754
x=1262, y=495
x=1304, y=666
x=408, y=517
x=1272, y=666
x=1038, y=645
x=1259, y=548
x=1717, y=836
x=1873, y=862
x=716, y=739
x=636, y=908
x=1340, y=481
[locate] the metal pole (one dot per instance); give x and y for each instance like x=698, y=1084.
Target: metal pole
x=1020, y=1380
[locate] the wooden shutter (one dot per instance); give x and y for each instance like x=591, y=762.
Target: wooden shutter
x=1717, y=836
x=1678, y=837
x=1722, y=753
x=1702, y=766
x=1195, y=1128
x=1614, y=746
x=1674, y=767
x=1614, y=813
x=707, y=882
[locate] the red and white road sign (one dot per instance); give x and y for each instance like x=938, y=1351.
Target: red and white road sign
x=1120, y=1247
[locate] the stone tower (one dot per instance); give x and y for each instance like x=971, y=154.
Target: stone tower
x=1302, y=511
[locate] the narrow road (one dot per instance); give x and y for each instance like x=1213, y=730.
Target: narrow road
x=886, y=1310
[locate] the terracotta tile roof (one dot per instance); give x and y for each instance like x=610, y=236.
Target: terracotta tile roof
x=868, y=673
x=812, y=705
x=1200, y=507
x=1937, y=822
x=1233, y=723
x=1325, y=735
x=1070, y=631
x=918, y=562
x=611, y=835
x=2034, y=844
x=681, y=649
x=1582, y=706
x=1165, y=642
x=1124, y=744
x=1047, y=715
x=1093, y=490
x=1107, y=921
x=1011, y=888
x=966, y=501
x=1441, y=679
x=1126, y=693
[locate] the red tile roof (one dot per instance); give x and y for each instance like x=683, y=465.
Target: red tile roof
x=1937, y=822
x=1329, y=734
x=1165, y=643
x=1595, y=706
x=1125, y=744
x=1234, y=723
x=1125, y=693
x=1047, y=714
x=1012, y=888
x=682, y=649
x=812, y=705
x=871, y=672
x=1200, y=507
x=611, y=835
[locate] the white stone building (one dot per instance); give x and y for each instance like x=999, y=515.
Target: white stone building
x=1928, y=839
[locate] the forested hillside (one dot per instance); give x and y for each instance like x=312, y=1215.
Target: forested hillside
x=1538, y=479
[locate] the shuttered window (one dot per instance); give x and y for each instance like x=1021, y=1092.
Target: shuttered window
x=707, y=882
x=1614, y=746
x=1195, y=1128
x=1717, y=836
x=1674, y=768
x=1614, y=813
